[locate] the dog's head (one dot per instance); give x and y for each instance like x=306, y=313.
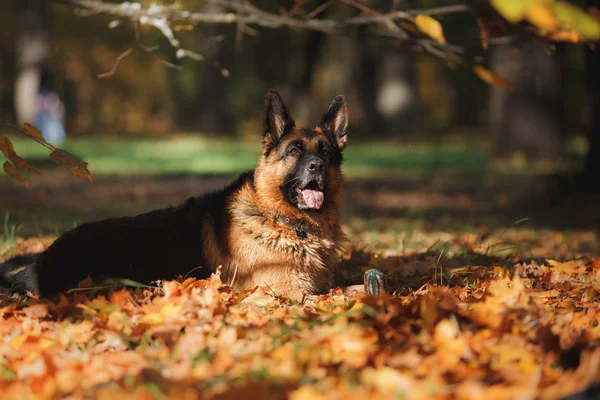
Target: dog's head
x=299, y=170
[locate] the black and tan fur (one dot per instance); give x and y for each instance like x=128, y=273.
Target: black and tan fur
x=259, y=229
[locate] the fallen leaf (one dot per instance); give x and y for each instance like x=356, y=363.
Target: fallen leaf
x=569, y=267
x=387, y=380
x=306, y=393
x=18, y=341
x=259, y=298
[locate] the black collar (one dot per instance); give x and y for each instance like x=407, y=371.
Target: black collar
x=302, y=228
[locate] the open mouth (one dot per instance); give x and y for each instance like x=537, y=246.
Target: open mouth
x=310, y=197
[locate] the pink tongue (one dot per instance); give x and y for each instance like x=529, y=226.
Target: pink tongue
x=312, y=198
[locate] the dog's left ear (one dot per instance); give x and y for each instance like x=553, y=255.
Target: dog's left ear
x=335, y=121
x=276, y=119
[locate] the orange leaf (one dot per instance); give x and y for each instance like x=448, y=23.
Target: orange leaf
x=24, y=165
x=32, y=132
x=491, y=78
x=18, y=341
x=565, y=35
x=78, y=168
x=542, y=16
x=13, y=173
x=431, y=27
x=6, y=147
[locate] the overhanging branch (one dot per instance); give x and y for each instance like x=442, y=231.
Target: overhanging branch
x=245, y=14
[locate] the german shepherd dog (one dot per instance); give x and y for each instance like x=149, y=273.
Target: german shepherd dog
x=276, y=226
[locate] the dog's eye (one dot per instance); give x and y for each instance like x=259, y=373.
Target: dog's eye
x=325, y=152
x=294, y=151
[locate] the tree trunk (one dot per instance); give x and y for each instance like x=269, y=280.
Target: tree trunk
x=32, y=51
x=527, y=120
x=212, y=112
x=592, y=162
x=387, y=84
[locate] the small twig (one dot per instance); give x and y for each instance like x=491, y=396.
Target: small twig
x=234, y=275
x=318, y=10
x=453, y=9
x=245, y=15
x=116, y=64
x=190, y=271
x=360, y=7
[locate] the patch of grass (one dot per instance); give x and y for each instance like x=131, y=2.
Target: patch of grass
x=196, y=154
x=9, y=233
x=201, y=154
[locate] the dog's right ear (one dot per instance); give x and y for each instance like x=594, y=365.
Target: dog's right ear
x=277, y=119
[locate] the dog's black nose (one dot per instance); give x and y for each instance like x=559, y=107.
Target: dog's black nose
x=316, y=165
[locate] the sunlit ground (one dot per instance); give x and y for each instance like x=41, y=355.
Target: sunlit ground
x=403, y=187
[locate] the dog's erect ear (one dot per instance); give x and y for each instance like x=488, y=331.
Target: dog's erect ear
x=276, y=118
x=335, y=121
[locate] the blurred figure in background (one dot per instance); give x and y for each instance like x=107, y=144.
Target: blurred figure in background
x=49, y=118
x=35, y=102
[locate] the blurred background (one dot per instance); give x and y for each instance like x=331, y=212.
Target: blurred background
x=431, y=146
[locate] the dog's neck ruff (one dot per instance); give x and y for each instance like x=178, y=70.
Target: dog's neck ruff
x=252, y=209
x=303, y=229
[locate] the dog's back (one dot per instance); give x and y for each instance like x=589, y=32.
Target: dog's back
x=158, y=244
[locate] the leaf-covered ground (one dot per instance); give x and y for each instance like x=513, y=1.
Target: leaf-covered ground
x=469, y=317
x=492, y=277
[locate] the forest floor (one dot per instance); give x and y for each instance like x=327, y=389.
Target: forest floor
x=492, y=278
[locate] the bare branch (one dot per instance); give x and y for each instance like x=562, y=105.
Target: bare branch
x=453, y=9
x=244, y=15
x=116, y=64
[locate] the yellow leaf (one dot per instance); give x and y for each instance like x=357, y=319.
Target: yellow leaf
x=6, y=147
x=46, y=343
x=32, y=132
x=152, y=319
x=387, y=379
x=542, y=16
x=569, y=267
x=18, y=341
x=306, y=393
x=13, y=173
x=431, y=27
x=491, y=78
x=574, y=17
x=87, y=309
x=169, y=311
x=78, y=168
x=515, y=10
